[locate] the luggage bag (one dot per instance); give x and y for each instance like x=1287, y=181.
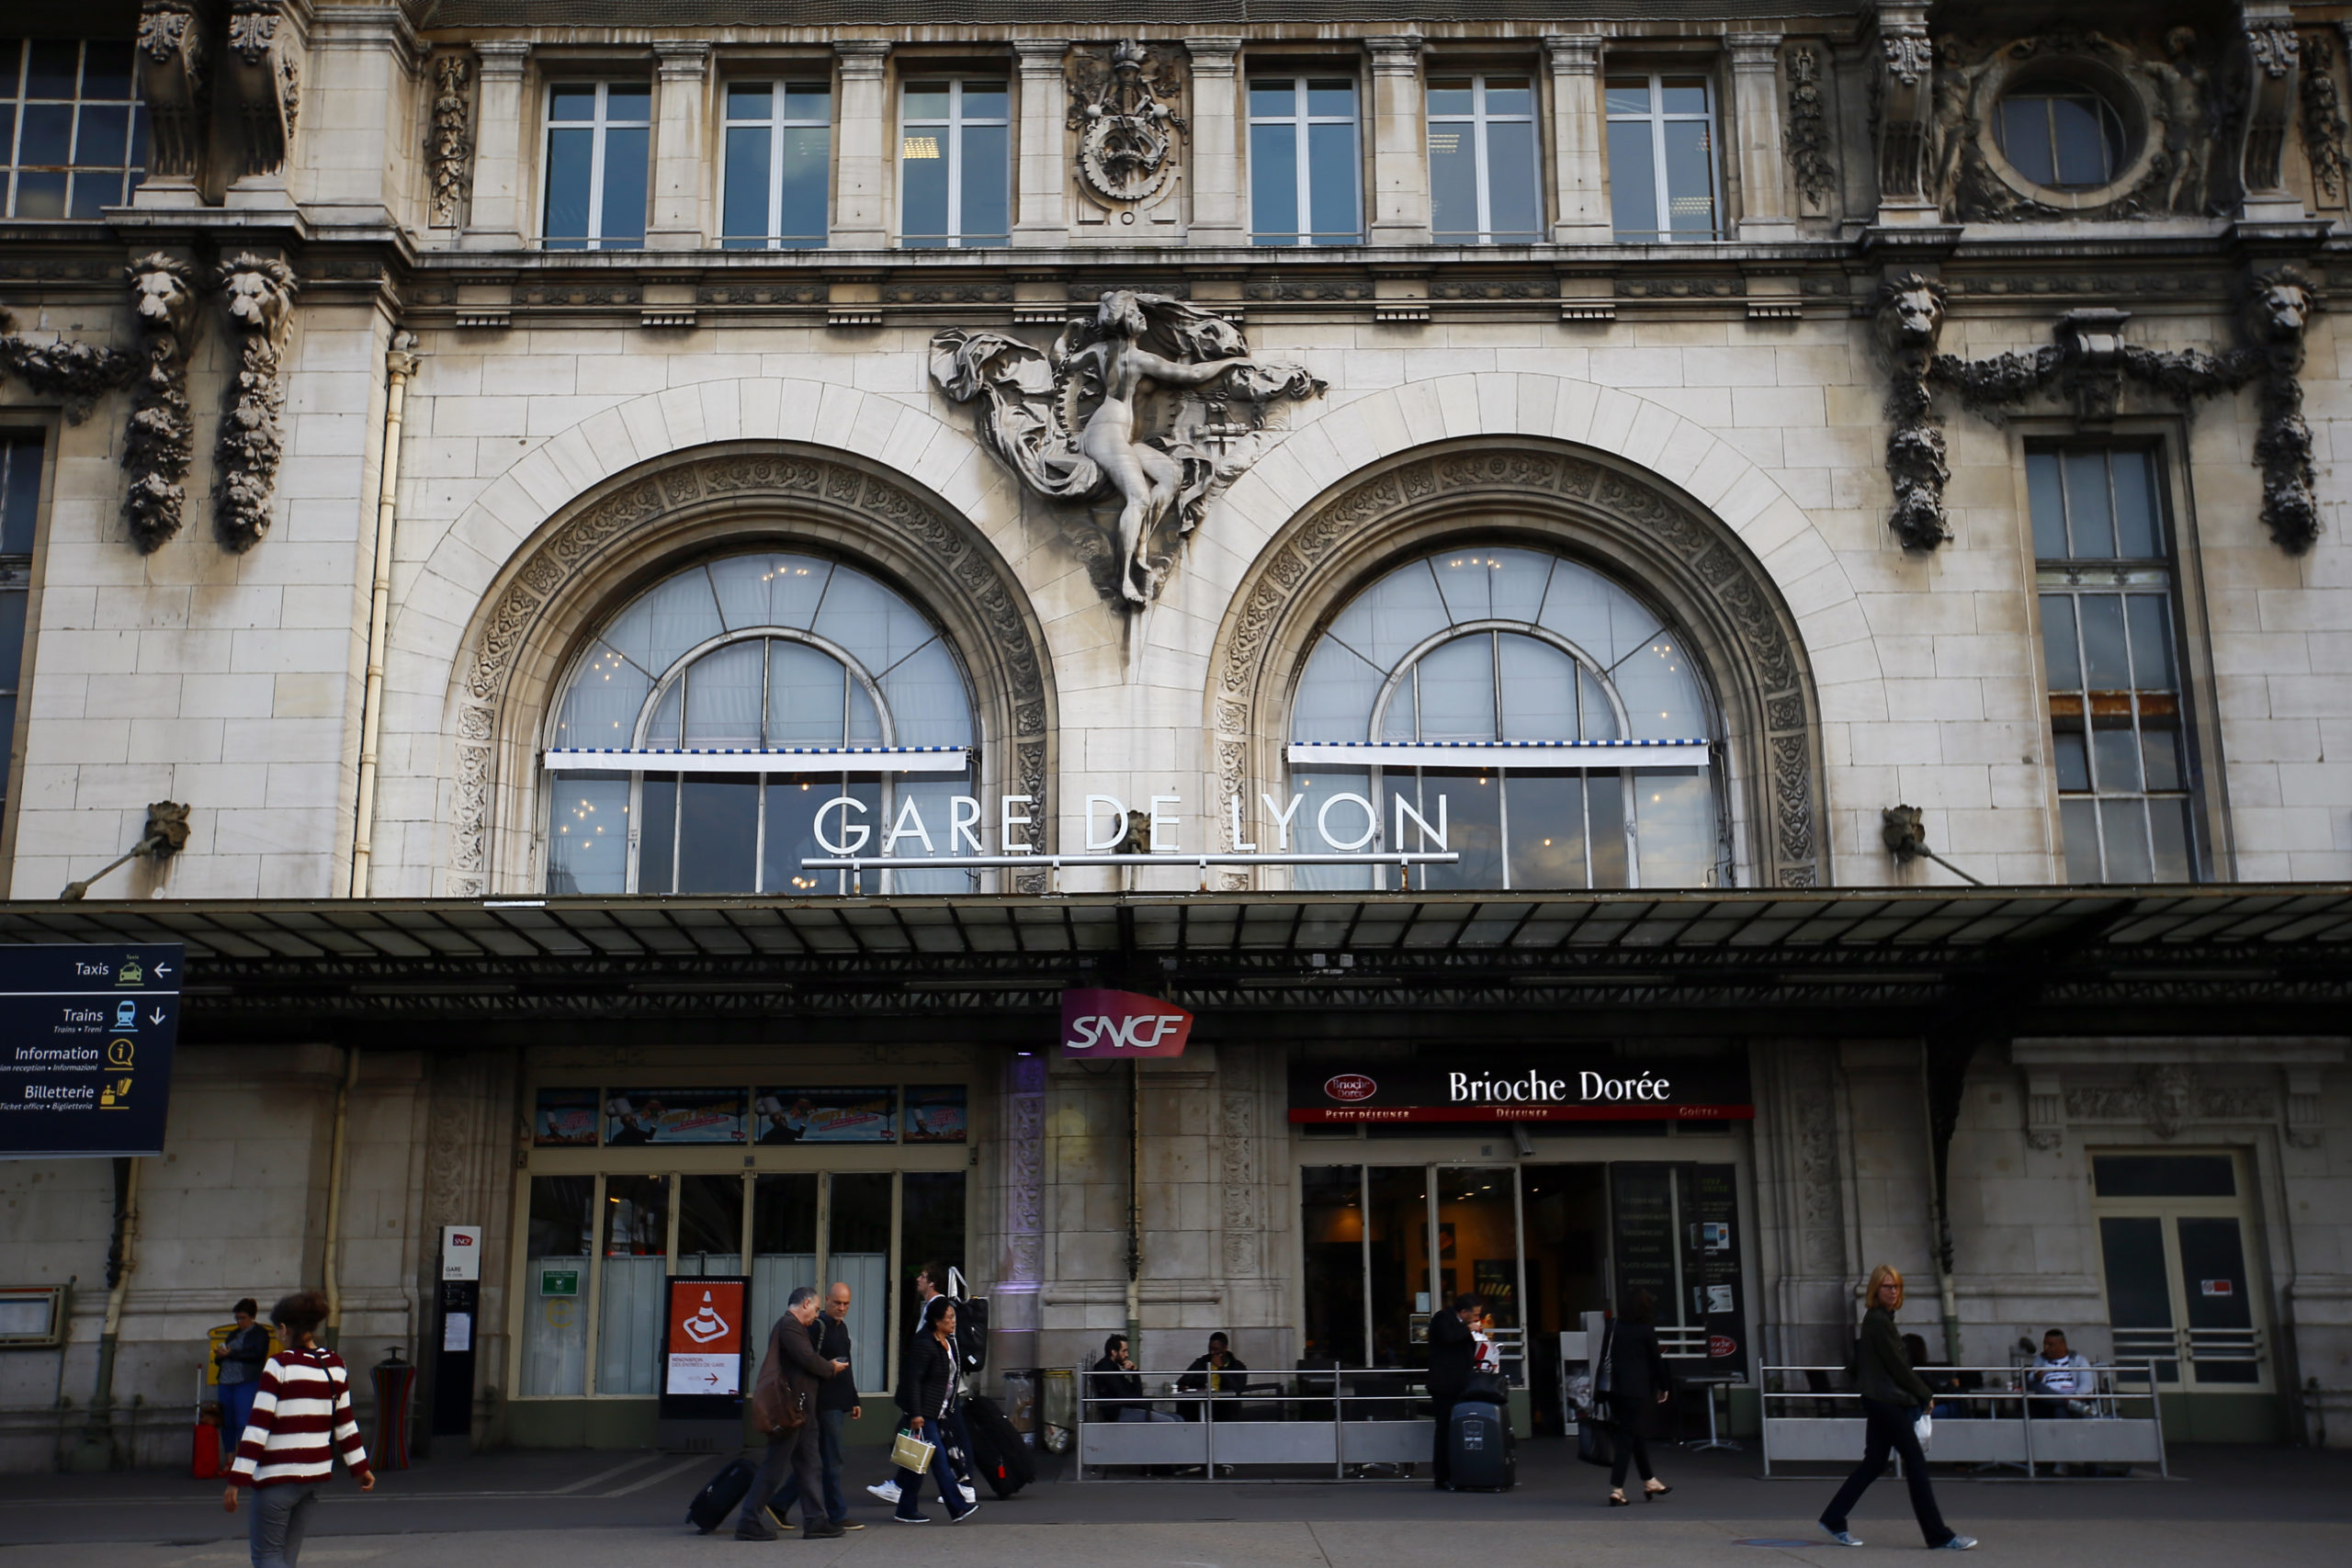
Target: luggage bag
x=722, y=1497
x=998, y=1453
x=1480, y=1449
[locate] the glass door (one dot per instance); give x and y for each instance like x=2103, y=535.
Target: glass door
x=2172, y=1231
x=1476, y=1210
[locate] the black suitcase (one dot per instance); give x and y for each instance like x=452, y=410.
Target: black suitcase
x=1480, y=1449
x=714, y=1502
x=998, y=1452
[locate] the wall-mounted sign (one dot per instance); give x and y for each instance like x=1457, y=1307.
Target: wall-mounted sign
x=86, y=1036
x=558, y=1281
x=1101, y=1026
x=703, y=1342
x=1521, y=1086
x=461, y=1252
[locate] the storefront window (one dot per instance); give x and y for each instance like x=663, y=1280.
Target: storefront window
x=1397, y=1264
x=1330, y=1210
x=858, y=1253
x=930, y=1229
x=628, y=1316
x=710, y=1225
x=556, y=1269
x=783, y=1240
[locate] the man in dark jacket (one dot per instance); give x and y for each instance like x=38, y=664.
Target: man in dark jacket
x=1211, y=1374
x=1452, y=1349
x=836, y=1400
x=793, y=1363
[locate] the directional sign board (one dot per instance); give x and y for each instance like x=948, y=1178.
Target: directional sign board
x=86, y=1048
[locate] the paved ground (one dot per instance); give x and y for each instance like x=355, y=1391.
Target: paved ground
x=2292, y=1508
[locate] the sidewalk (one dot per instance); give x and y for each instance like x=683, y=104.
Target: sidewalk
x=590, y=1510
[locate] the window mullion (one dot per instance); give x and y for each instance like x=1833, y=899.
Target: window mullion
x=1478, y=159
x=955, y=168
x=777, y=121
x=1657, y=155
x=596, y=171
x=1306, y=183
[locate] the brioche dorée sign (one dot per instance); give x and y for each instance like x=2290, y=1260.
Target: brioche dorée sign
x=1520, y=1086
x=1104, y=1026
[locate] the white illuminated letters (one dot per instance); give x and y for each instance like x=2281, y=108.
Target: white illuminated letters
x=845, y=804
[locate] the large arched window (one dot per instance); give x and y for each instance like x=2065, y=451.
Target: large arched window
x=1547, y=723
x=701, y=730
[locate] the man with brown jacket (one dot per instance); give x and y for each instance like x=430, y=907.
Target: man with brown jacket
x=784, y=1403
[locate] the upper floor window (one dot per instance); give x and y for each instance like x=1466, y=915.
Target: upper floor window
x=1542, y=721
x=1305, y=176
x=75, y=141
x=779, y=149
x=956, y=165
x=599, y=140
x=1482, y=160
x=2060, y=136
x=1662, y=183
x=2117, y=730
x=812, y=663
x=20, y=459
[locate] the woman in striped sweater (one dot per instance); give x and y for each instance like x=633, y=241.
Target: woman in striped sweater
x=301, y=1418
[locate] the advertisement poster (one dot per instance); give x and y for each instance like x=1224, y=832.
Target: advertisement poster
x=1717, y=1225
x=673, y=1116
x=826, y=1116
x=705, y=1338
x=565, y=1118
x=936, y=1114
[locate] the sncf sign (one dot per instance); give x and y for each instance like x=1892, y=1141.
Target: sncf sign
x=1108, y=1025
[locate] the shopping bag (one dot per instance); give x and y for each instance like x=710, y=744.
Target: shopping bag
x=1924, y=1426
x=911, y=1452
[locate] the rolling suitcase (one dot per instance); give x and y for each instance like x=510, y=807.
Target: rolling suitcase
x=1479, y=1446
x=998, y=1452
x=721, y=1496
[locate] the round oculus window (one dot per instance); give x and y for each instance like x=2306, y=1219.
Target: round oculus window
x=2062, y=136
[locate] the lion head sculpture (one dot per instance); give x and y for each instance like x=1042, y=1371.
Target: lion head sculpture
x=1910, y=313
x=260, y=293
x=2277, y=305
x=163, y=292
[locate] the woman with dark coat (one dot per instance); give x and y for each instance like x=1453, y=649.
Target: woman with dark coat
x=931, y=1384
x=1891, y=1398
x=1639, y=1388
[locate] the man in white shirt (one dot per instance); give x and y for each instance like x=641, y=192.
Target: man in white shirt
x=2064, y=1377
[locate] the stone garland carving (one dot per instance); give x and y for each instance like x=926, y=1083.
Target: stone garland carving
x=159, y=440
x=2168, y=1097
x=1910, y=318
x=448, y=145
x=1070, y=423
x=1808, y=131
x=174, y=84
x=259, y=294
x=1024, y=1173
x=80, y=373
x=1123, y=105
x=1791, y=853
x=265, y=80
x=993, y=596
x=2323, y=124
x=1238, y=1182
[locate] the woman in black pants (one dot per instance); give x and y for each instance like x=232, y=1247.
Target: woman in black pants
x=1893, y=1397
x=1639, y=1387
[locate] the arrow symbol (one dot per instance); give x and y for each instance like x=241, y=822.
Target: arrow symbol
x=155, y=1017
x=163, y=968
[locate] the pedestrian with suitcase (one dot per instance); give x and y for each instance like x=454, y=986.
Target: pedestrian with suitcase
x=784, y=1406
x=1452, y=1351
x=1640, y=1387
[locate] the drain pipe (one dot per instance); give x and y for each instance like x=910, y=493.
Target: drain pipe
x=95, y=1451
x=333, y=1330
x=399, y=363
x=1134, y=1210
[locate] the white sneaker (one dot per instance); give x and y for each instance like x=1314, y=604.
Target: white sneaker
x=971, y=1495
x=887, y=1491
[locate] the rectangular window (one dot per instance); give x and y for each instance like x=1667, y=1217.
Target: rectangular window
x=2112, y=649
x=1305, y=176
x=599, y=140
x=20, y=459
x=955, y=165
x=1662, y=158
x=1482, y=160
x=777, y=154
x=76, y=139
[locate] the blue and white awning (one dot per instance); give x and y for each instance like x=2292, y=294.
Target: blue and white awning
x=1576, y=755
x=758, y=760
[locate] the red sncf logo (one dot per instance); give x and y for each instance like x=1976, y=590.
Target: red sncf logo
x=1349, y=1087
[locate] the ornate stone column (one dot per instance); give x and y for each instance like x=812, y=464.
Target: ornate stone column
x=1579, y=194
x=1216, y=147
x=1040, y=174
x=1401, y=181
x=261, y=70
x=681, y=150
x=175, y=83
x=2272, y=82
x=1905, y=97
x=496, y=223
x=1755, y=123
x=860, y=220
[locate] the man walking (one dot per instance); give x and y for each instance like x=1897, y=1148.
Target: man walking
x=836, y=1401
x=791, y=1375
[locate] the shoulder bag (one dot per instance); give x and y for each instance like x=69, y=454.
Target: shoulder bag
x=776, y=1408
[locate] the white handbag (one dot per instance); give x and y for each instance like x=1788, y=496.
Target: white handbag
x=1924, y=1426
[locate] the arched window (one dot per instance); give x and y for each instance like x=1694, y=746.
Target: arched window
x=768, y=684
x=1549, y=725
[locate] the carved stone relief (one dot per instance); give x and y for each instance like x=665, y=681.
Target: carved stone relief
x=160, y=441
x=449, y=145
x=263, y=69
x=1820, y=1193
x=1902, y=105
x=259, y=293
x=2273, y=60
x=1238, y=1180
x=1808, y=134
x=1910, y=319
x=1123, y=104
x=80, y=373
x=1069, y=422
x=2323, y=123
x=2167, y=1099
x=1024, y=1173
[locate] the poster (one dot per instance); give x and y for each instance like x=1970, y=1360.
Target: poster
x=703, y=1340
x=1716, y=1231
x=673, y=1116
x=564, y=1118
x=936, y=1113
x=826, y=1116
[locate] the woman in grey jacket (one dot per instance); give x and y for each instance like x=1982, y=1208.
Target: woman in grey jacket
x=1893, y=1397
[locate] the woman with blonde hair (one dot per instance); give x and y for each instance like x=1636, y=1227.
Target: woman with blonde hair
x=1892, y=1400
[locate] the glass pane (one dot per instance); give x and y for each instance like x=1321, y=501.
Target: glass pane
x=1450, y=95
x=792, y=805
x=1457, y=690
x=1394, y=617
x=1510, y=94
x=1513, y=208
x=2163, y=1175
x=104, y=136
x=670, y=618
x=629, y=101
x=2175, y=860
x=1401, y=719
x=2025, y=138
x=568, y=154
x=858, y=1252
x=710, y=1225
x=745, y=213
x=1660, y=693
x=808, y=152
x=876, y=626
x=719, y=824
x=105, y=70
x=48, y=134
x=52, y=72
x=2081, y=141
x=784, y=1241
x=2123, y=834
x=986, y=182
x=2071, y=751
x=2078, y=829
x=1326, y=96
x=749, y=100
x=929, y=705
x=1547, y=828
x=1539, y=690
x=1331, y=176
x=927, y=100
x=1454, y=179
x=795, y=588
x=571, y=101
x=1517, y=582
x=2214, y=1278
x=723, y=697
x=624, y=176
x=1566, y=1209
x=2138, y=534
x=2115, y=755
x=94, y=193
x=555, y=1322
x=1323, y=822
x=923, y=183
x=1399, y=1272
x=2047, y=501
x=588, y=833
x=865, y=718
x=1473, y=823
x=1598, y=719
x=1465, y=579
x=1272, y=96
x=931, y=796
x=1595, y=613
x=628, y=1320
x=1605, y=810
x=1628, y=94
x=809, y=101
x=1632, y=181
x=2152, y=669
x=40, y=195
x=806, y=693
x=984, y=100
x=657, y=850
x=2133, y=1250
x=2088, y=512
x=14, y=604
x=1674, y=831
x=2059, y=651
x=1477, y=1241
x=2104, y=649
x=1683, y=94
x=1330, y=1228
x=930, y=1232
x=1690, y=174
x=2160, y=750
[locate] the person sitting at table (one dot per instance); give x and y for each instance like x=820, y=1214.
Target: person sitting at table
x=1115, y=1391
x=1214, y=1373
x=2062, y=1377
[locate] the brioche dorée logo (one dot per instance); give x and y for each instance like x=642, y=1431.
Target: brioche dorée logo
x=1349, y=1088
x=1100, y=1025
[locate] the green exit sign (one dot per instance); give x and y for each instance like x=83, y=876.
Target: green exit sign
x=558, y=1281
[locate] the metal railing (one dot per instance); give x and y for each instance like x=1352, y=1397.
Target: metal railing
x=2005, y=1421
x=2197, y=1348
x=1360, y=1422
